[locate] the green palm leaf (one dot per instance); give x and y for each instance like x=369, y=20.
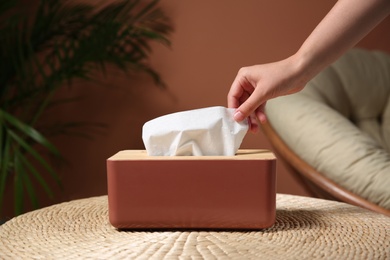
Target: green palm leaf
x=26, y=130
x=41, y=53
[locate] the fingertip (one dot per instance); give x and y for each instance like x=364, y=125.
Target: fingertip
x=254, y=129
x=238, y=116
x=262, y=118
x=254, y=126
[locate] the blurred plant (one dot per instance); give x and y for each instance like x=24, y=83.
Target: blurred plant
x=45, y=48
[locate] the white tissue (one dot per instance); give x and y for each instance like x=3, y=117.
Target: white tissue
x=205, y=131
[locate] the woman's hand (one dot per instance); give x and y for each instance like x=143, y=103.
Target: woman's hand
x=254, y=85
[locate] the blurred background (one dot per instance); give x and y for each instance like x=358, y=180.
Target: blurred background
x=211, y=40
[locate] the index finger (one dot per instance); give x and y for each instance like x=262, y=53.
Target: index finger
x=239, y=92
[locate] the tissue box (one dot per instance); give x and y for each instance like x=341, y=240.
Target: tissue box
x=191, y=192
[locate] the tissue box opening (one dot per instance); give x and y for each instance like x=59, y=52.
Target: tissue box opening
x=192, y=192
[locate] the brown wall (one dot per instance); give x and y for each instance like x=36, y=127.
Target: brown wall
x=212, y=40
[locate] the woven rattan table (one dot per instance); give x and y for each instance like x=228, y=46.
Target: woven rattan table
x=305, y=228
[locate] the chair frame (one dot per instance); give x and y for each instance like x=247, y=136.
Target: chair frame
x=314, y=182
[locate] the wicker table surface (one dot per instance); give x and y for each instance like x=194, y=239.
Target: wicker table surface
x=305, y=228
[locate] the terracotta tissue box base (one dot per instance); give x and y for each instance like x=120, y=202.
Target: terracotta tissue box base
x=191, y=192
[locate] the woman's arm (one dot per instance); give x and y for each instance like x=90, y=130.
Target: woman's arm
x=345, y=25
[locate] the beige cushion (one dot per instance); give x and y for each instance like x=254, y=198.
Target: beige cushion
x=340, y=123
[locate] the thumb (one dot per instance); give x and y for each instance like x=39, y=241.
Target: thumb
x=248, y=107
